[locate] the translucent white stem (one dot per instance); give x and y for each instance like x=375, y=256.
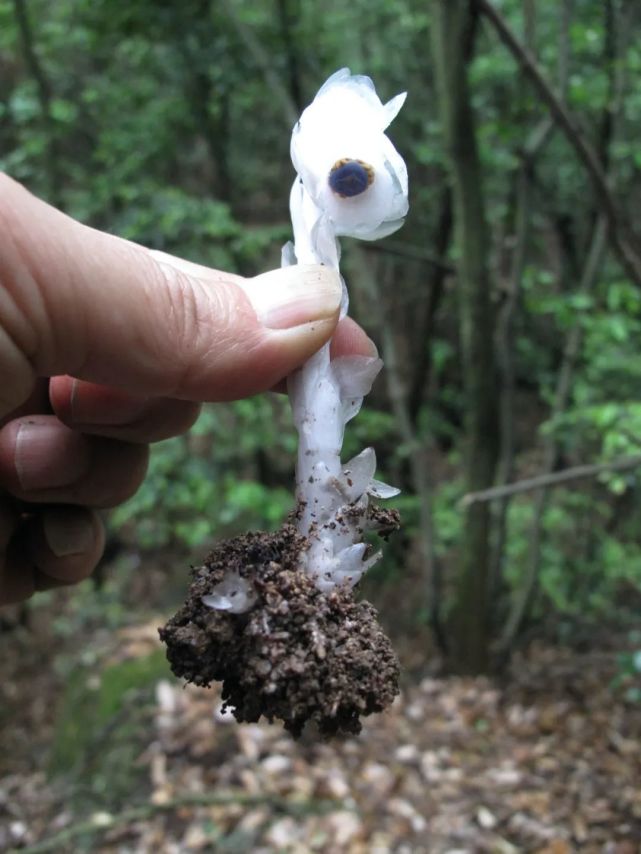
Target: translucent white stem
x=332, y=498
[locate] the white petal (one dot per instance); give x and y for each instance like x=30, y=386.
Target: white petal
x=351, y=408
x=393, y=107
x=382, y=490
x=233, y=594
x=372, y=561
x=356, y=374
x=358, y=473
x=342, y=84
x=344, y=296
x=288, y=255
x=327, y=247
x=349, y=566
x=341, y=74
x=396, y=167
x=383, y=230
x=314, y=235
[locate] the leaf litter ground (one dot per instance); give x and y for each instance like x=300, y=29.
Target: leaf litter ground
x=548, y=761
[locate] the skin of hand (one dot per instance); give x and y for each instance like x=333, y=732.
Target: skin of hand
x=106, y=346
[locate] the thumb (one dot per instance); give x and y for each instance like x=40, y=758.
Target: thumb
x=76, y=301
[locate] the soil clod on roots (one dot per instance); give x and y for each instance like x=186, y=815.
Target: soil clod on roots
x=298, y=655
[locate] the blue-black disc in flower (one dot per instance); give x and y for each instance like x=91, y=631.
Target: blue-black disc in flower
x=350, y=177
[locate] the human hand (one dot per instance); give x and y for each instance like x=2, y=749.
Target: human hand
x=106, y=346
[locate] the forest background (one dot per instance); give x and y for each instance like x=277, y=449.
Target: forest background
x=507, y=310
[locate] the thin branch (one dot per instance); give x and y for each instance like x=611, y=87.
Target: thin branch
x=545, y=481
x=627, y=254
x=537, y=139
x=412, y=253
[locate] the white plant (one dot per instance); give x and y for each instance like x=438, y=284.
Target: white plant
x=350, y=181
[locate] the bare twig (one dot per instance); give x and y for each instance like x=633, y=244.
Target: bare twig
x=627, y=254
x=411, y=253
x=545, y=481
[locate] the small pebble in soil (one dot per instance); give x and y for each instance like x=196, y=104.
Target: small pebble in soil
x=298, y=655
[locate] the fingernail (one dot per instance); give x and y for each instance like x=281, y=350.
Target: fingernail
x=293, y=296
x=373, y=349
x=49, y=455
x=69, y=531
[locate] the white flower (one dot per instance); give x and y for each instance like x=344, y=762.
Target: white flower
x=347, y=165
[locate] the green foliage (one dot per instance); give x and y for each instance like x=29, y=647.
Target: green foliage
x=102, y=721
x=208, y=484
x=604, y=415
x=92, y=609
x=584, y=570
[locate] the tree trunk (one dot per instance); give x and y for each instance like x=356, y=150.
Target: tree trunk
x=453, y=28
x=288, y=15
x=43, y=89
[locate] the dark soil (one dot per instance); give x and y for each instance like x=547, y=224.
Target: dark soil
x=299, y=655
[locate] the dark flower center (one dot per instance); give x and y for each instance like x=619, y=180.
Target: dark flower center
x=350, y=177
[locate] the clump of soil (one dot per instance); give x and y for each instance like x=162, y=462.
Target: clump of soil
x=299, y=655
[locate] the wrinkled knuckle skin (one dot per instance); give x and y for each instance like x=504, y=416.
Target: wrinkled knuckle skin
x=182, y=309
x=21, y=305
x=205, y=322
